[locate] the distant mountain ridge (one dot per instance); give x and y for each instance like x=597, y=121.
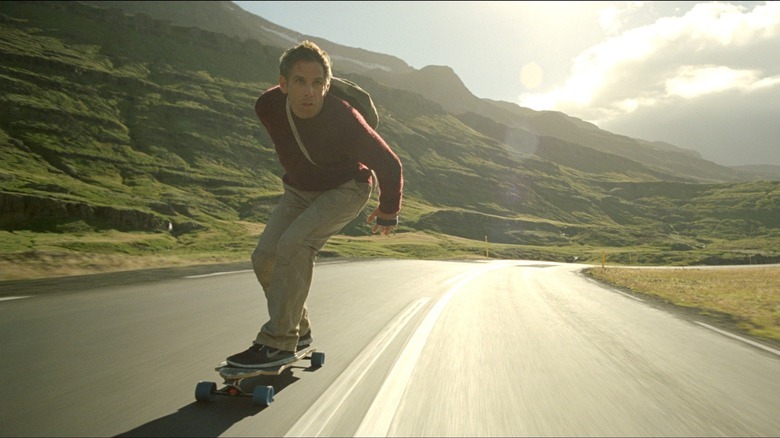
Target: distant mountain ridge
x=228, y=18
x=442, y=85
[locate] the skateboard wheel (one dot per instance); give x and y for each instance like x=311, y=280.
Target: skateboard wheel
x=317, y=359
x=204, y=391
x=263, y=395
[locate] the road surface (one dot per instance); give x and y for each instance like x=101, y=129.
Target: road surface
x=413, y=348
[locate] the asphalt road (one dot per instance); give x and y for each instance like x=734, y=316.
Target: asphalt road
x=413, y=348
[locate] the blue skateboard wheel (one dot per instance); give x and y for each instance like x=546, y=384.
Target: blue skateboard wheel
x=263, y=395
x=204, y=391
x=317, y=359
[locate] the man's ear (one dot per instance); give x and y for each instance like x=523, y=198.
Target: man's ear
x=283, y=84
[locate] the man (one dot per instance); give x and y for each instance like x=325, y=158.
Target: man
x=327, y=183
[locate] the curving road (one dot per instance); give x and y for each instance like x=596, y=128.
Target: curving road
x=413, y=348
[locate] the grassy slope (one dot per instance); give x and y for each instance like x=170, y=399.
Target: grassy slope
x=746, y=299
x=145, y=120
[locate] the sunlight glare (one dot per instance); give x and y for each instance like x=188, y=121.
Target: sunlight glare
x=531, y=75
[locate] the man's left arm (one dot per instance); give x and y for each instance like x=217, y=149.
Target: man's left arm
x=387, y=167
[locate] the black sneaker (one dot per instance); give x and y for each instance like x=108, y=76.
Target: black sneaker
x=304, y=341
x=260, y=356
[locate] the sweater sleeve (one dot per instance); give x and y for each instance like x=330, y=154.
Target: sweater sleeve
x=372, y=150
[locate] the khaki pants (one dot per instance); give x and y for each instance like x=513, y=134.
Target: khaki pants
x=283, y=260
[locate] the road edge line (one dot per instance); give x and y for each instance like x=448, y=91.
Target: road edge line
x=740, y=338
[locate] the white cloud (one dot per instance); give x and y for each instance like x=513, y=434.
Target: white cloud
x=765, y=83
x=608, y=19
x=614, y=18
x=693, y=81
x=651, y=63
x=675, y=61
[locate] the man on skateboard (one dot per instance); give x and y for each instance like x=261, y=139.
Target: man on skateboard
x=328, y=153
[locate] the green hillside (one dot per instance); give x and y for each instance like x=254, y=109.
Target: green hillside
x=127, y=135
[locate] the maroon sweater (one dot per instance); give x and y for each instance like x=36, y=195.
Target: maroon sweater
x=339, y=141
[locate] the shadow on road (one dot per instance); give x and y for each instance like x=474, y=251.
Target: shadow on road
x=198, y=419
x=211, y=419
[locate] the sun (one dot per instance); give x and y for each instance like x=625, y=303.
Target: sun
x=531, y=75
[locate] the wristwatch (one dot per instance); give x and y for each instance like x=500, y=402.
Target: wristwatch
x=387, y=222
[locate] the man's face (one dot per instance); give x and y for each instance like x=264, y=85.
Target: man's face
x=305, y=89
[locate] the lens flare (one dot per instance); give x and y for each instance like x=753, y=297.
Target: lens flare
x=531, y=75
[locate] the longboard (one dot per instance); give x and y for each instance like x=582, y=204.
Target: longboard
x=261, y=395
x=232, y=373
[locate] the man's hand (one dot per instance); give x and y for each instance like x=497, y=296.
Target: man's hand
x=380, y=216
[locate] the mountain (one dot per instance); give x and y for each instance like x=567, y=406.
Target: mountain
x=137, y=120
x=225, y=17
x=439, y=84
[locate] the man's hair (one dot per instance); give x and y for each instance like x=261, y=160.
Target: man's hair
x=305, y=51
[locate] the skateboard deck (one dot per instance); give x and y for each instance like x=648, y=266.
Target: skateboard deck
x=262, y=395
x=229, y=372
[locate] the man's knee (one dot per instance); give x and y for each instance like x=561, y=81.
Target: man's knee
x=292, y=247
x=263, y=265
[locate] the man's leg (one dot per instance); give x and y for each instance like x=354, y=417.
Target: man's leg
x=290, y=206
x=296, y=250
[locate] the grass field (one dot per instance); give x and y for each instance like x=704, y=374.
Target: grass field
x=746, y=298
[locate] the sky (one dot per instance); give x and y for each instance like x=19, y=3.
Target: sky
x=700, y=75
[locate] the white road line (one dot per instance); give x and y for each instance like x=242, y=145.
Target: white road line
x=13, y=298
x=314, y=421
x=739, y=338
x=629, y=296
x=218, y=273
x=379, y=418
